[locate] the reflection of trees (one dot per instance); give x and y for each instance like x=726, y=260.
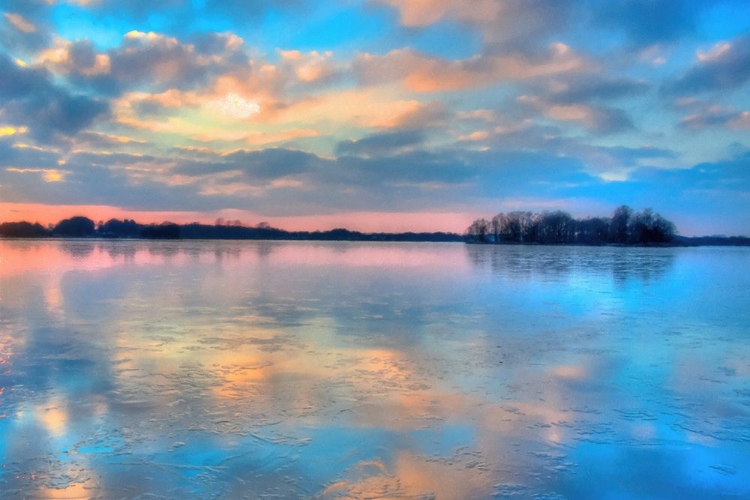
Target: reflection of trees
x=119, y=249
x=78, y=249
x=643, y=265
x=166, y=250
x=265, y=248
x=219, y=250
x=535, y=262
x=234, y=250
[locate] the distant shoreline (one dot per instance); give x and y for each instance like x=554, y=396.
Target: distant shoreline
x=84, y=228
x=680, y=242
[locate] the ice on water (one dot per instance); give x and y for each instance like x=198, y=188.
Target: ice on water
x=134, y=369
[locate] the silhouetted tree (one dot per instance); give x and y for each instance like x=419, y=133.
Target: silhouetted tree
x=555, y=227
x=496, y=226
x=664, y=230
x=22, y=230
x=646, y=227
x=120, y=229
x=516, y=226
x=593, y=230
x=163, y=231
x=479, y=231
x=619, y=224
x=75, y=227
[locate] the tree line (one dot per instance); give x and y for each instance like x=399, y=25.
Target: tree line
x=83, y=227
x=624, y=227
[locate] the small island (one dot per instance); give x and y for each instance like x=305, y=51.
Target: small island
x=625, y=227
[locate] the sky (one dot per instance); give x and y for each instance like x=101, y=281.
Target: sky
x=375, y=115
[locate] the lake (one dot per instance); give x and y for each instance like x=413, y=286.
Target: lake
x=228, y=369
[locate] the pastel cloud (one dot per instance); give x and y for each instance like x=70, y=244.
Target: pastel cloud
x=29, y=97
x=48, y=174
x=24, y=26
x=79, y=57
x=726, y=66
x=716, y=115
x=593, y=87
x=598, y=119
x=161, y=59
x=228, y=82
x=104, y=142
x=423, y=73
x=309, y=67
x=19, y=22
x=364, y=108
x=501, y=22
x=425, y=12
x=150, y=59
x=381, y=144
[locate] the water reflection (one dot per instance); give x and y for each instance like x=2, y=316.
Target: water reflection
x=77, y=248
x=345, y=370
x=532, y=262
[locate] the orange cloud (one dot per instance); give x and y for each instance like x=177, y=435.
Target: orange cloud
x=353, y=107
x=60, y=58
x=308, y=67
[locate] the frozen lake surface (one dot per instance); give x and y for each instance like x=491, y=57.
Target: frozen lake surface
x=210, y=369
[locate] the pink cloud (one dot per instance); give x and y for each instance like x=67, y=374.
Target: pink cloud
x=426, y=12
x=597, y=119
x=19, y=22
x=308, y=67
x=423, y=73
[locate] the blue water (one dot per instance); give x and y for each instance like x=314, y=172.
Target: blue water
x=133, y=369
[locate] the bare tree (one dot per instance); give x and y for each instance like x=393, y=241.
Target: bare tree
x=479, y=230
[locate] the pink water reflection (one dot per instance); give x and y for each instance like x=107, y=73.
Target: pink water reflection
x=333, y=370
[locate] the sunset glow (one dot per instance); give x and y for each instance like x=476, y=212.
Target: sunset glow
x=376, y=115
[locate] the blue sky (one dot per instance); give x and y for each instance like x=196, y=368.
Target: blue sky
x=375, y=114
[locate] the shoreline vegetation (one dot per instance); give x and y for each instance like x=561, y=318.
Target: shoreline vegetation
x=624, y=228
x=83, y=227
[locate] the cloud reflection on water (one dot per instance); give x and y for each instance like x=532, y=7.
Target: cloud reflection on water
x=244, y=369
